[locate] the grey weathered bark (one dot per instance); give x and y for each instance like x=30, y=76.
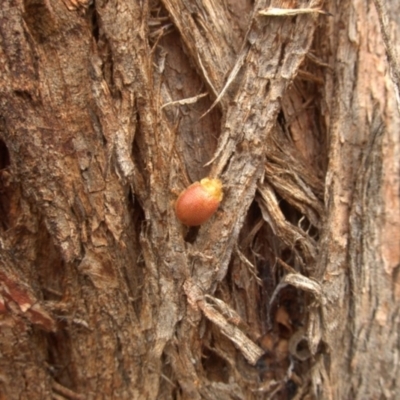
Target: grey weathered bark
x=108, y=109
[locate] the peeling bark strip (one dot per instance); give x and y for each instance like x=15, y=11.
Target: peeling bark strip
x=107, y=110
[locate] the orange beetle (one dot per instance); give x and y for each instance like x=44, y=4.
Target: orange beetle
x=197, y=203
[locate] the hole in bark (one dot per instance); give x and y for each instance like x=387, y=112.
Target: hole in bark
x=215, y=367
x=287, y=210
x=59, y=360
x=288, y=392
x=309, y=228
x=5, y=187
x=291, y=389
x=298, y=219
x=137, y=148
x=263, y=365
x=103, y=49
x=133, y=271
x=50, y=271
x=94, y=20
x=4, y=156
x=39, y=20
x=50, y=267
x=292, y=301
x=191, y=234
x=168, y=387
x=302, y=348
x=395, y=275
x=23, y=94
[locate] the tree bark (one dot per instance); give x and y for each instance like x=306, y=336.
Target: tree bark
x=109, y=109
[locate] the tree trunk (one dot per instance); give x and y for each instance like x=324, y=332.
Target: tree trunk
x=109, y=109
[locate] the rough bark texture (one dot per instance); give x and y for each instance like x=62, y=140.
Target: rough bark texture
x=109, y=109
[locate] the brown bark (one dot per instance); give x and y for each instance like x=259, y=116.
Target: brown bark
x=108, y=110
